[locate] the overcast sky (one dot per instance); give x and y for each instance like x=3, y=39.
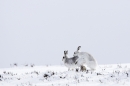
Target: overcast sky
x=38, y=31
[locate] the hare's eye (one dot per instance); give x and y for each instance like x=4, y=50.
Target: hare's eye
x=63, y=57
x=74, y=52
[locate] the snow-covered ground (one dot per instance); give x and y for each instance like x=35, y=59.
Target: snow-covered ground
x=58, y=75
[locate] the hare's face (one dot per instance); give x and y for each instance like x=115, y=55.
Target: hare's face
x=75, y=53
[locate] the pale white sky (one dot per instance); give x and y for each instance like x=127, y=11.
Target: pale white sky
x=38, y=31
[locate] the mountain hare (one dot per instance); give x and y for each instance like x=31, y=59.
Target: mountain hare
x=85, y=58
x=69, y=62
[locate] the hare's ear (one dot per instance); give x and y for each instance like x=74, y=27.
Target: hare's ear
x=67, y=52
x=78, y=48
x=64, y=52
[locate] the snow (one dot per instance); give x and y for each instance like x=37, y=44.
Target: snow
x=58, y=75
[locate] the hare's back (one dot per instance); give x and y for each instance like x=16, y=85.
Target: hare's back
x=71, y=60
x=90, y=57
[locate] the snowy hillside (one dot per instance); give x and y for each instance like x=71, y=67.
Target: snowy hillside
x=105, y=75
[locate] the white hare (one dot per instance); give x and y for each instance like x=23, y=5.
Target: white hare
x=85, y=58
x=69, y=62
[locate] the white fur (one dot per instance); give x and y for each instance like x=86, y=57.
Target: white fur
x=85, y=58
